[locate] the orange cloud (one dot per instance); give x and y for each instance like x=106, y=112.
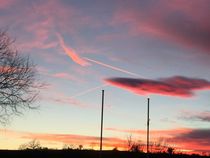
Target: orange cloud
x=71, y=53
x=183, y=139
x=195, y=139
x=87, y=141
x=178, y=86
x=154, y=133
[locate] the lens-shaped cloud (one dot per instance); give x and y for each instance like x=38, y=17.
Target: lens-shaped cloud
x=178, y=86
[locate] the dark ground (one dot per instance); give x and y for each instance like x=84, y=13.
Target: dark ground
x=84, y=154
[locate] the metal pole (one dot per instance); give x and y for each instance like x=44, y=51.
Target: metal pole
x=102, y=113
x=148, y=119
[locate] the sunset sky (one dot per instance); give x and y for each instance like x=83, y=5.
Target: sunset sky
x=133, y=49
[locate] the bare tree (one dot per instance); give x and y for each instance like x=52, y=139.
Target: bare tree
x=129, y=141
x=159, y=145
x=80, y=147
x=18, y=83
x=33, y=145
x=134, y=146
x=170, y=150
x=68, y=147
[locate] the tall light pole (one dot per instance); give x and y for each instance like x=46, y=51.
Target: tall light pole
x=148, y=119
x=102, y=115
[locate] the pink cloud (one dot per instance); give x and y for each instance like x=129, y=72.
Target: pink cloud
x=195, y=140
x=177, y=86
x=190, y=140
x=177, y=21
x=183, y=139
x=154, y=133
x=5, y=4
x=37, y=28
x=63, y=75
x=71, y=53
x=62, y=99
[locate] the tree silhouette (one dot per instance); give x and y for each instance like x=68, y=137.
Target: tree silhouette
x=18, y=83
x=170, y=150
x=80, y=147
x=134, y=146
x=31, y=145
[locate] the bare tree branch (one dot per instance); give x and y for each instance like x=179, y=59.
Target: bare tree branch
x=18, y=83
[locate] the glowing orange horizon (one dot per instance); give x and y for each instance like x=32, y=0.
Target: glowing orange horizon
x=109, y=142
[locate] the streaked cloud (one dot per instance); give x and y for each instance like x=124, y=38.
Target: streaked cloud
x=112, y=67
x=195, y=139
x=175, y=21
x=75, y=139
x=88, y=90
x=63, y=99
x=86, y=61
x=5, y=4
x=169, y=133
x=197, y=116
x=183, y=139
x=63, y=75
x=71, y=53
x=177, y=86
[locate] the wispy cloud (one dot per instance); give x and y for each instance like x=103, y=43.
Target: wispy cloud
x=178, y=86
x=63, y=99
x=88, y=91
x=64, y=75
x=196, y=116
x=154, y=133
x=71, y=53
x=6, y=4
x=112, y=67
x=86, y=61
x=160, y=20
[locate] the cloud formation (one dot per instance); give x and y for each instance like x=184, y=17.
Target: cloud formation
x=64, y=75
x=75, y=139
x=71, y=53
x=155, y=133
x=196, y=139
x=175, y=21
x=178, y=86
x=112, y=67
x=203, y=116
x=184, y=139
x=6, y=4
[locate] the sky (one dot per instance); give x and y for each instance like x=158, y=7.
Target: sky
x=134, y=50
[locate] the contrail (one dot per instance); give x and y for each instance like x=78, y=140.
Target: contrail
x=112, y=67
x=88, y=90
x=71, y=53
x=84, y=61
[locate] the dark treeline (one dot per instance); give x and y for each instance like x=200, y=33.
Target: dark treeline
x=86, y=154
